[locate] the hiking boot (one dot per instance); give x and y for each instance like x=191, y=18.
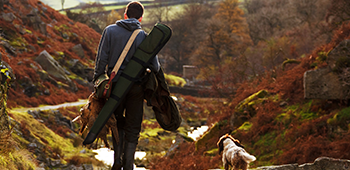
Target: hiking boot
x=118, y=151
x=129, y=153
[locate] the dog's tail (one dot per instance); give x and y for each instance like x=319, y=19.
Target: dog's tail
x=247, y=157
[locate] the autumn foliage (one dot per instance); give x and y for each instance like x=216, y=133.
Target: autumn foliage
x=238, y=56
x=30, y=42
x=278, y=135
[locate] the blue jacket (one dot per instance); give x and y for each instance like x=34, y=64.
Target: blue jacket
x=112, y=43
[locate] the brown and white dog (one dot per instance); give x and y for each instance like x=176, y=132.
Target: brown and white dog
x=89, y=113
x=234, y=154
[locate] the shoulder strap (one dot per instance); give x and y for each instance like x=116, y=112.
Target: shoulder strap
x=125, y=51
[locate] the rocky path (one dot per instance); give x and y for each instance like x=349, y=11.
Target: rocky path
x=50, y=107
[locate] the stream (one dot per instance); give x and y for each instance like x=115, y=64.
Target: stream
x=106, y=155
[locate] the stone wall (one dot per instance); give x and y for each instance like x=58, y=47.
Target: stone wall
x=322, y=163
x=190, y=72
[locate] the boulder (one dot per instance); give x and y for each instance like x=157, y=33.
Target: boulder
x=202, y=142
x=246, y=108
x=54, y=69
x=10, y=49
x=49, y=64
x=330, y=82
x=324, y=84
x=81, y=70
x=9, y=17
x=46, y=77
x=35, y=21
x=88, y=167
x=78, y=49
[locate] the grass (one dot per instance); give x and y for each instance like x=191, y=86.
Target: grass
x=54, y=144
x=174, y=80
x=17, y=159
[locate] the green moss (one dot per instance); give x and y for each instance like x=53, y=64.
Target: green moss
x=28, y=31
x=308, y=115
x=344, y=114
x=284, y=118
x=16, y=159
x=250, y=100
x=157, y=140
x=151, y=132
x=40, y=131
x=342, y=62
x=289, y=61
x=291, y=108
x=341, y=119
x=212, y=152
x=322, y=56
x=305, y=113
x=269, y=139
x=175, y=80
x=60, y=53
x=40, y=42
x=314, y=65
x=275, y=98
x=73, y=76
x=302, y=112
x=246, y=126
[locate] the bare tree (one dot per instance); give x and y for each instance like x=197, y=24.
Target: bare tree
x=160, y=12
x=226, y=35
x=62, y=2
x=188, y=32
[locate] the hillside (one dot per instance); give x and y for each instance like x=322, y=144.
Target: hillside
x=273, y=120
x=29, y=28
x=50, y=60
x=46, y=59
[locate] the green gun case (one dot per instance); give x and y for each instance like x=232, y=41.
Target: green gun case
x=147, y=50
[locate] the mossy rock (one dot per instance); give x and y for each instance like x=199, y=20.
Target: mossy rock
x=290, y=61
x=202, y=143
x=250, y=100
x=246, y=108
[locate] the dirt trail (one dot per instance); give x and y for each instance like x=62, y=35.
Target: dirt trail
x=50, y=107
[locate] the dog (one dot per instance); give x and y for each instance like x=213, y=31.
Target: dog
x=88, y=115
x=234, y=154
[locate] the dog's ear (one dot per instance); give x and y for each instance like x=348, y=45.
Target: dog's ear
x=221, y=146
x=220, y=143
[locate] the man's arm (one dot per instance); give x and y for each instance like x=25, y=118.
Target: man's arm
x=102, y=55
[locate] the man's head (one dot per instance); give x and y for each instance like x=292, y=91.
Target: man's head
x=134, y=10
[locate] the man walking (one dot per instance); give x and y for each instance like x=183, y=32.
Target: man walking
x=129, y=113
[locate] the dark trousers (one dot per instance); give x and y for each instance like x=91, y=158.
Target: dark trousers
x=129, y=114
